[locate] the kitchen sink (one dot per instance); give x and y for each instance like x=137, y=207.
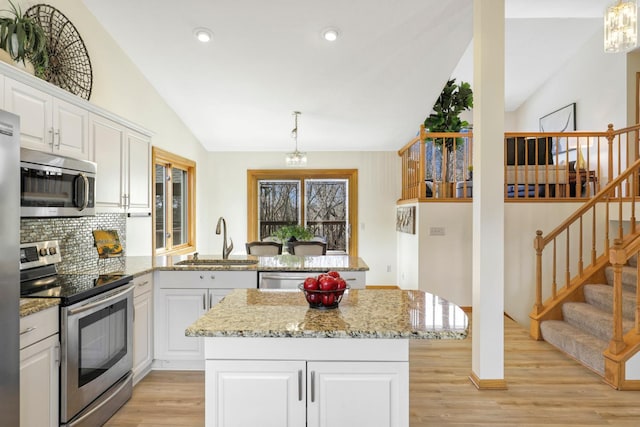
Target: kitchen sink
x=218, y=261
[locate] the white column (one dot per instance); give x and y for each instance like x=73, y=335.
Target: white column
x=488, y=195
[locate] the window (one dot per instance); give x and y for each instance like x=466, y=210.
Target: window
x=174, y=209
x=325, y=201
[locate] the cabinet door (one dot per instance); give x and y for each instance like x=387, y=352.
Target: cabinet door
x=71, y=130
x=139, y=172
x=35, y=110
x=175, y=311
x=216, y=295
x=142, y=335
x=108, y=148
x=39, y=383
x=345, y=394
x=255, y=393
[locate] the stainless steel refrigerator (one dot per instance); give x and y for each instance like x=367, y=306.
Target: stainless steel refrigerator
x=9, y=269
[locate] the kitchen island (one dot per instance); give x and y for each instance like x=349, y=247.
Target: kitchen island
x=272, y=361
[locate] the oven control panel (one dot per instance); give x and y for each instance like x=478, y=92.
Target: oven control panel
x=37, y=254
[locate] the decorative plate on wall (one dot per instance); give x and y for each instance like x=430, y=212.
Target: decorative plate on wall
x=69, y=63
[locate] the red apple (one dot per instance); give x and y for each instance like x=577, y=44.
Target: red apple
x=328, y=283
x=314, y=298
x=334, y=274
x=311, y=284
x=328, y=299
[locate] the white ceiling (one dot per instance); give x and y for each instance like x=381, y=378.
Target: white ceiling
x=370, y=90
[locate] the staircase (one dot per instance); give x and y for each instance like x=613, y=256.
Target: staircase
x=587, y=327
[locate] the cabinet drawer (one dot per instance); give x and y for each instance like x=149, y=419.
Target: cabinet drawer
x=143, y=284
x=355, y=279
x=204, y=279
x=38, y=326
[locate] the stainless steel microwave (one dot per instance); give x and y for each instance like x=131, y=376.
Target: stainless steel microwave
x=53, y=185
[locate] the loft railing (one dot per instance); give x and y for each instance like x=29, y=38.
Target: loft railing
x=538, y=166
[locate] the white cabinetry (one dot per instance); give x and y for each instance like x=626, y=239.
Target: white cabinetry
x=181, y=297
x=274, y=391
x=142, y=326
x=39, y=363
x=124, y=166
x=46, y=122
x=336, y=383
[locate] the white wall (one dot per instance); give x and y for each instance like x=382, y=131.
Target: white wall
x=445, y=261
x=593, y=79
x=408, y=276
x=225, y=193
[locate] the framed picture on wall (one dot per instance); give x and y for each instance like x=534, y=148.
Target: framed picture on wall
x=561, y=120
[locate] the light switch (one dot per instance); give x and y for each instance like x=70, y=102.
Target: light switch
x=436, y=231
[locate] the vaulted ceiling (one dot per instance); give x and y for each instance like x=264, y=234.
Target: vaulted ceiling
x=369, y=90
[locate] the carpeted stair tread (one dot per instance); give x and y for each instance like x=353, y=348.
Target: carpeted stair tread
x=633, y=261
x=601, y=296
x=629, y=276
x=579, y=344
x=591, y=319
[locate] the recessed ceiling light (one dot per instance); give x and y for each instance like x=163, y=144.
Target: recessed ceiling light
x=330, y=34
x=203, y=35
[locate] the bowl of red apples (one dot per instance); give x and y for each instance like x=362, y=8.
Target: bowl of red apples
x=324, y=291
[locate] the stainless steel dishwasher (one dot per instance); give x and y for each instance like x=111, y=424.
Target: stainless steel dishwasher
x=291, y=279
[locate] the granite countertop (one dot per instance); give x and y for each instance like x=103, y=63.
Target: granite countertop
x=33, y=305
x=138, y=265
x=363, y=313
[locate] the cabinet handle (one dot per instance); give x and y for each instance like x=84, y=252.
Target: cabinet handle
x=300, y=385
x=29, y=329
x=145, y=283
x=210, y=301
x=58, y=354
x=213, y=277
x=57, y=133
x=204, y=301
x=313, y=386
x=201, y=277
x=51, y=137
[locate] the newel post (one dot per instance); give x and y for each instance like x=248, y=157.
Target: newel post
x=610, y=137
x=617, y=258
x=538, y=245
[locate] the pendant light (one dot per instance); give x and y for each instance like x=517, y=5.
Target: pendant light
x=296, y=158
x=620, y=26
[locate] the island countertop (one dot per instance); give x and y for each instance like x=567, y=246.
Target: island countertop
x=363, y=313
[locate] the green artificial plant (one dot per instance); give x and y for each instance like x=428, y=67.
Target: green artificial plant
x=454, y=99
x=297, y=232
x=23, y=38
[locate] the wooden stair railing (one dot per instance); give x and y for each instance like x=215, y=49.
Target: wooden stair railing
x=616, y=202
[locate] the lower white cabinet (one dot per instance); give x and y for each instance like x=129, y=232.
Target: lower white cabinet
x=313, y=382
x=297, y=393
x=255, y=393
x=142, y=326
x=181, y=297
x=39, y=367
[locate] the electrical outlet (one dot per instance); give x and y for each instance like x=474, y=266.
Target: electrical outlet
x=388, y=269
x=437, y=231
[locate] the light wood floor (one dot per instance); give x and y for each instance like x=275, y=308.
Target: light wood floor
x=546, y=388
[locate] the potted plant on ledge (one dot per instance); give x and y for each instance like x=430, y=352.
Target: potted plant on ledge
x=23, y=41
x=453, y=100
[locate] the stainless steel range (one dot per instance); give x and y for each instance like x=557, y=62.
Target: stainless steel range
x=96, y=327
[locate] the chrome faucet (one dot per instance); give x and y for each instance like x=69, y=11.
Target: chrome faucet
x=226, y=250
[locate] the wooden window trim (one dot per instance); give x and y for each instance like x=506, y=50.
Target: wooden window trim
x=255, y=175
x=162, y=157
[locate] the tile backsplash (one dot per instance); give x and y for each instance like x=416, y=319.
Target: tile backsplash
x=76, y=240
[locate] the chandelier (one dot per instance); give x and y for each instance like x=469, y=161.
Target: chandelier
x=620, y=26
x=296, y=158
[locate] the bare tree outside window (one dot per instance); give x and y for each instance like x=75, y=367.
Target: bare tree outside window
x=326, y=211
x=279, y=205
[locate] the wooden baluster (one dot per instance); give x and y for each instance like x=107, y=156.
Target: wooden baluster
x=620, y=231
x=580, y=260
x=538, y=246
x=422, y=166
x=567, y=275
x=637, y=319
x=554, y=271
x=593, y=235
x=606, y=227
x=617, y=258
x=610, y=152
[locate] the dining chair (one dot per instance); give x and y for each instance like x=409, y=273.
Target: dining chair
x=307, y=248
x=263, y=248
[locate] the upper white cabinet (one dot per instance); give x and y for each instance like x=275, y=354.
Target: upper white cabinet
x=46, y=122
x=124, y=166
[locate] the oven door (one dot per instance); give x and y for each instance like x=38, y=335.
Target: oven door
x=97, y=348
